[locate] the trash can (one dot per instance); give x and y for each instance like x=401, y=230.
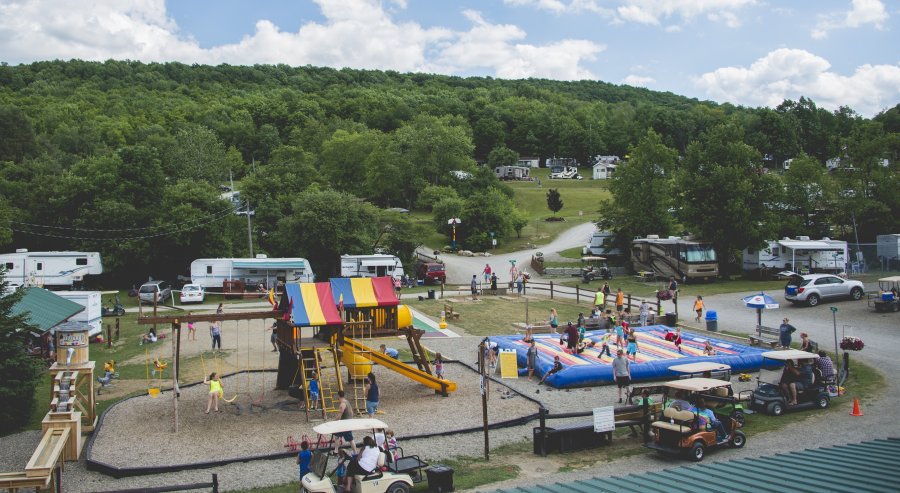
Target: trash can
x=431, y=294
x=671, y=319
x=712, y=321
x=440, y=478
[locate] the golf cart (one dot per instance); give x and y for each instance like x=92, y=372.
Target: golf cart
x=594, y=268
x=722, y=400
x=679, y=432
x=888, y=297
x=770, y=398
x=396, y=476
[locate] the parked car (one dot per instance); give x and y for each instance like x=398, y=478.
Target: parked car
x=431, y=272
x=813, y=288
x=192, y=293
x=154, y=292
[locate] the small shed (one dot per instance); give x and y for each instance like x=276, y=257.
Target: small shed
x=604, y=167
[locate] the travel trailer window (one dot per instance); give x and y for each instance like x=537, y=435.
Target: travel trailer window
x=209, y=269
x=81, y=261
x=40, y=266
x=700, y=253
x=775, y=251
x=9, y=266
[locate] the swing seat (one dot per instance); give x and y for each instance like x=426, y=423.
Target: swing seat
x=153, y=392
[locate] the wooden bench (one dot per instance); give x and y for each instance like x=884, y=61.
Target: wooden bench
x=765, y=335
x=581, y=435
x=449, y=313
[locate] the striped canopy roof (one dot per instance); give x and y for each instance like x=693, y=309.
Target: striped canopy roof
x=364, y=292
x=312, y=304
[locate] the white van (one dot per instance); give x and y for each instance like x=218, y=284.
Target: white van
x=378, y=265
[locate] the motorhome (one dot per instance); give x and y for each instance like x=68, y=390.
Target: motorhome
x=211, y=273
x=601, y=244
x=563, y=168
x=93, y=308
x=378, y=265
x=801, y=255
x=682, y=258
x=51, y=270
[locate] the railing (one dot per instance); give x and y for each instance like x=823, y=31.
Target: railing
x=214, y=485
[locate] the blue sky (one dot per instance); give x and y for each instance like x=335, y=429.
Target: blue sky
x=750, y=52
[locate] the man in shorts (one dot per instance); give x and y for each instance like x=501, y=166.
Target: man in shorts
x=622, y=372
x=345, y=412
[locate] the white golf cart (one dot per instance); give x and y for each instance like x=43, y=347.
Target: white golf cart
x=389, y=477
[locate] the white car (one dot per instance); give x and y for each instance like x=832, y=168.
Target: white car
x=813, y=288
x=192, y=293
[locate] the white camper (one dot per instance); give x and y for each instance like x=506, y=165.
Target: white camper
x=211, y=273
x=378, y=265
x=801, y=255
x=52, y=270
x=93, y=308
x=601, y=244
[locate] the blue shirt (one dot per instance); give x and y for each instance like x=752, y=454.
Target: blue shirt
x=305, y=458
x=314, y=386
x=393, y=353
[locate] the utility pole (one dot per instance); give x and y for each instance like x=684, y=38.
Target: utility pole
x=249, y=231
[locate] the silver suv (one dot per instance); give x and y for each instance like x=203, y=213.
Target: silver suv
x=812, y=288
x=154, y=292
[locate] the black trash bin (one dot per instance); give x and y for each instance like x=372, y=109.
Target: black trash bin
x=440, y=478
x=712, y=321
x=671, y=319
x=431, y=294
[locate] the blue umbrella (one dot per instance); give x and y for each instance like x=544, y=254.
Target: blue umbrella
x=761, y=302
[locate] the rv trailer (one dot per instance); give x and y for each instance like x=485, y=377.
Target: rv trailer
x=212, y=273
x=378, y=265
x=801, y=255
x=51, y=270
x=686, y=260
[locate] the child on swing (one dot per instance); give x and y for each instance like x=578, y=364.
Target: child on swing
x=215, y=391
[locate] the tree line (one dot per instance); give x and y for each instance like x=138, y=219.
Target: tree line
x=127, y=158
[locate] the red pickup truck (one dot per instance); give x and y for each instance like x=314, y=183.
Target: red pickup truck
x=431, y=272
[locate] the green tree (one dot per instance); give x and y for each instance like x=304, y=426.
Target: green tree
x=323, y=225
x=642, y=193
x=808, y=196
x=502, y=156
x=18, y=140
x=18, y=371
x=196, y=154
x=554, y=200
x=5, y=218
x=518, y=221
x=486, y=213
x=725, y=198
x=433, y=194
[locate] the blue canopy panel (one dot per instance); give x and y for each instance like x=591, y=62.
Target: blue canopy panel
x=655, y=356
x=269, y=264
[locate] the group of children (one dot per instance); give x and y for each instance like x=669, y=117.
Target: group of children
x=384, y=441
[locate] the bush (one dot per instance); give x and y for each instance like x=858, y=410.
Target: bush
x=18, y=371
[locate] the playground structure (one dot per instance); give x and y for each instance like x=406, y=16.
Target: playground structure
x=318, y=332
x=653, y=361
x=72, y=411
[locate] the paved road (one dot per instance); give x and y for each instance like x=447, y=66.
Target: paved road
x=461, y=269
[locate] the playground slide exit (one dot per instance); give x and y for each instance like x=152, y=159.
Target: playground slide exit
x=430, y=381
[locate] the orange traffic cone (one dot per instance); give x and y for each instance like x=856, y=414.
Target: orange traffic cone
x=856, y=411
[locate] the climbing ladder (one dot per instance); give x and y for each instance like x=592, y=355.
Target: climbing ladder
x=323, y=361
x=360, y=330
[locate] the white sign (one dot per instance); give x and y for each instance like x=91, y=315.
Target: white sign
x=494, y=242
x=604, y=419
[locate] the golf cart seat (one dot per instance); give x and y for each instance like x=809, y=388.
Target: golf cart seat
x=376, y=474
x=677, y=421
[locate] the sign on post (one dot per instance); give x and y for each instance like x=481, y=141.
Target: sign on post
x=604, y=419
x=508, y=366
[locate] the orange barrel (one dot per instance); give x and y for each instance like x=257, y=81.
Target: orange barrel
x=72, y=343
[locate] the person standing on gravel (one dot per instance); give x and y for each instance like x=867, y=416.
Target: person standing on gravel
x=215, y=332
x=622, y=372
x=345, y=412
x=371, y=395
x=474, y=286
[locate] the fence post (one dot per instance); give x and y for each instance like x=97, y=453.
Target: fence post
x=629, y=300
x=577, y=294
x=442, y=290
x=108, y=336
x=543, y=437
x=117, y=329
x=551, y=290
x=215, y=483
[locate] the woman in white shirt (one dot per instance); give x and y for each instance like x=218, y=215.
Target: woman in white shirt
x=365, y=462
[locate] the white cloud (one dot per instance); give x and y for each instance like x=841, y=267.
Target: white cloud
x=354, y=33
x=638, y=80
x=649, y=12
x=791, y=73
x=561, y=7
x=863, y=12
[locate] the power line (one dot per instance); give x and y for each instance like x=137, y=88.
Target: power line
x=70, y=228
x=126, y=238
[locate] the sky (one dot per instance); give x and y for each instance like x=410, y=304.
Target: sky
x=746, y=52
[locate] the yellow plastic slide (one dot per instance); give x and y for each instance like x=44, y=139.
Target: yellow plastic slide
x=430, y=381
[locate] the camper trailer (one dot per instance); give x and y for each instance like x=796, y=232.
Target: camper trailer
x=800, y=255
x=684, y=259
x=512, y=172
x=93, y=308
x=51, y=270
x=601, y=244
x=378, y=265
x=211, y=273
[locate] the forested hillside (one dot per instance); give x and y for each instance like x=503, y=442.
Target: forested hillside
x=127, y=158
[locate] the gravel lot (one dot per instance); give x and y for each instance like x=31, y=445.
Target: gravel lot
x=227, y=438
